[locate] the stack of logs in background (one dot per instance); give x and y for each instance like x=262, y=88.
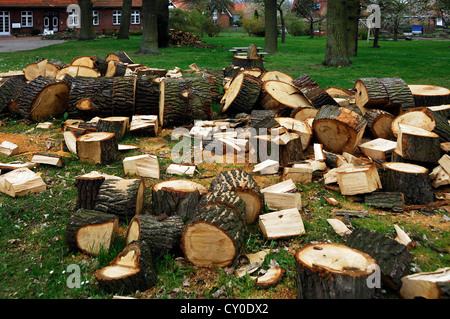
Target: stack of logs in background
x=383, y=140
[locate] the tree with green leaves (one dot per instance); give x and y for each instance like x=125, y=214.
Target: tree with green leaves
x=87, y=28
x=149, y=42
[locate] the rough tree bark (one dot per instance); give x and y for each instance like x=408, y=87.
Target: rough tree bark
x=124, y=30
x=336, y=49
x=149, y=43
x=87, y=28
x=270, y=44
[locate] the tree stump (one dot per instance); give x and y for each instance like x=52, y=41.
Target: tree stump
x=429, y=95
x=392, y=257
x=248, y=63
x=176, y=197
x=131, y=270
x=313, y=91
x=417, y=144
x=410, y=179
x=10, y=90
x=119, y=125
x=214, y=237
x=91, y=231
x=98, y=148
x=338, y=129
x=123, y=198
x=333, y=271
x=242, y=94
x=245, y=187
x=162, y=235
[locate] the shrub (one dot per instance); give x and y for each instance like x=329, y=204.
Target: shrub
x=295, y=26
x=35, y=31
x=254, y=26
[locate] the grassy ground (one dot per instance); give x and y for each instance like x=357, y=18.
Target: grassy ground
x=34, y=259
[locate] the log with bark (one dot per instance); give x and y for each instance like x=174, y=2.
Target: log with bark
x=276, y=76
x=10, y=90
x=304, y=113
x=379, y=123
x=442, y=127
x=177, y=197
x=224, y=196
x=130, y=271
x=418, y=116
x=98, y=148
x=299, y=127
x=334, y=271
x=147, y=95
x=244, y=62
x=119, y=125
x=116, y=68
x=428, y=285
x=399, y=93
x=429, y=95
x=338, y=129
x=417, y=144
x=74, y=70
x=87, y=61
x=163, y=235
x=119, y=56
x=123, y=96
x=313, y=91
x=242, y=94
x=88, y=186
x=36, y=69
x=392, y=257
x=91, y=231
x=393, y=201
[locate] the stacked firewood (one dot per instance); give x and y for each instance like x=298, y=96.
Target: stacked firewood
x=182, y=38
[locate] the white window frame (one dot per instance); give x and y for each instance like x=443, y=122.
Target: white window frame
x=116, y=17
x=28, y=16
x=95, y=17
x=48, y=22
x=135, y=17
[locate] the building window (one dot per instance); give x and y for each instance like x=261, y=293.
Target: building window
x=27, y=19
x=95, y=18
x=116, y=17
x=135, y=17
x=46, y=22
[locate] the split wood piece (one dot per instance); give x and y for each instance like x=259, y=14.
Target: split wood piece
x=287, y=148
x=358, y=180
x=263, y=119
x=181, y=169
x=392, y=257
x=399, y=93
x=91, y=231
x=443, y=110
x=379, y=122
x=51, y=70
x=245, y=187
x=126, y=147
x=214, y=237
x=42, y=98
x=276, y=76
x=429, y=95
x=338, y=129
x=130, y=271
x=119, y=125
x=255, y=261
x=123, y=198
x=403, y=238
x=339, y=227
x=271, y=277
x=300, y=127
x=444, y=161
x=417, y=144
x=333, y=271
x=145, y=125
x=298, y=173
x=45, y=126
x=115, y=68
x=337, y=92
x=313, y=91
x=351, y=213
x=304, y=113
x=34, y=70
x=242, y=95
x=442, y=127
x=439, y=177
x=145, y=165
x=282, y=97
x=97, y=148
x=10, y=90
x=410, y=179
x=87, y=61
x=386, y=200
x=48, y=159
x=75, y=71
x=9, y=149
x=287, y=186
x=162, y=235
x=246, y=63
x=7, y=167
x=176, y=197
x=70, y=141
x=20, y=182
x=78, y=131
x=445, y=147
x=334, y=160
x=318, y=152
x=418, y=116
x=183, y=100
x=268, y=167
x=282, y=201
x=331, y=176
x=281, y=224
x=428, y=285
x=378, y=149
x=147, y=95
x=88, y=186
x=119, y=56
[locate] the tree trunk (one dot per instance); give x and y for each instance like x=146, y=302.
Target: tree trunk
x=163, y=23
x=337, y=44
x=311, y=27
x=353, y=13
x=87, y=28
x=271, y=26
x=283, y=26
x=124, y=29
x=376, y=37
x=149, y=43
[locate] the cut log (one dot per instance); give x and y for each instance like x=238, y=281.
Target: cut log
x=370, y=93
x=333, y=271
x=393, y=201
x=176, y=197
x=245, y=187
x=145, y=165
x=242, y=95
x=429, y=95
x=119, y=56
x=9, y=149
x=281, y=224
x=338, y=129
x=417, y=144
x=304, y=113
x=115, y=68
x=296, y=126
x=442, y=127
x=263, y=119
x=119, y=125
x=379, y=123
x=246, y=63
x=123, y=96
x=34, y=70
x=42, y=98
x=144, y=125
x=162, y=235
x=282, y=97
x=358, y=180
x=418, y=116
x=97, y=147
x=442, y=110
x=10, y=90
x=88, y=186
x=87, y=61
x=20, y=182
x=147, y=95
x=123, y=198
x=428, y=285
x=378, y=149
x=130, y=271
x=183, y=100
x=276, y=76
x=410, y=179
x=8, y=167
x=337, y=92
x=392, y=257
x=48, y=159
x=91, y=231
x=334, y=160
x=313, y=91
x=298, y=173
x=399, y=93
x=214, y=237
x=271, y=277
x=74, y=70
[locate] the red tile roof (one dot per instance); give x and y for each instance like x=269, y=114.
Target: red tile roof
x=63, y=3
